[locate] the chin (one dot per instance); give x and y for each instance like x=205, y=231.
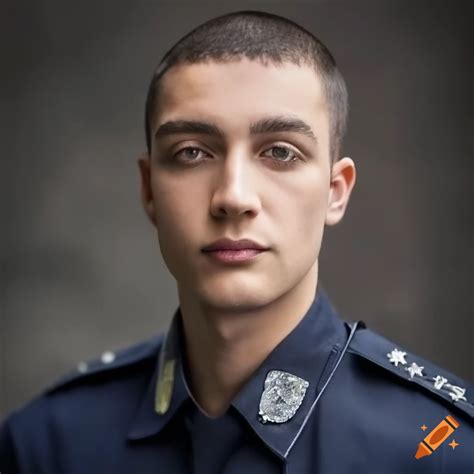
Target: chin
x=244, y=296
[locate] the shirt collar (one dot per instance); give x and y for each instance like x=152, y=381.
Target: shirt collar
x=167, y=386
x=309, y=352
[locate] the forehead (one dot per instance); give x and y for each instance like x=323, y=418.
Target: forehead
x=240, y=90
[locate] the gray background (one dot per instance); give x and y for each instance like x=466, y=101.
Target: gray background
x=80, y=265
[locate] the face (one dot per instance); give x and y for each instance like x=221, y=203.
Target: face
x=259, y=169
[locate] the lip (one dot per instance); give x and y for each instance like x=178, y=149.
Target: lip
x=234, y=251
x=233, y=245
x=234, y=256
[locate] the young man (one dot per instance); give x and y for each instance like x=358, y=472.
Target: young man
x=257, y=373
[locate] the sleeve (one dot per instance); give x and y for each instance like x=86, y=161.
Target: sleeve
x=8, y=460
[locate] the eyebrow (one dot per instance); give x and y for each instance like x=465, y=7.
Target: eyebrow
x=276, y=124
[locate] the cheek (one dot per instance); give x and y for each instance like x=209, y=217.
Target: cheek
x=305, y=212
x=175, y=203
x=177, y=218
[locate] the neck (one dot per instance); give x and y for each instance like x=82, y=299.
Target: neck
x=225, y=347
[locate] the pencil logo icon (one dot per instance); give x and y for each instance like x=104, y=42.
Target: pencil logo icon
x=437, y=437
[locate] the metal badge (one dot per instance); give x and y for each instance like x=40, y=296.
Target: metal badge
x=415, y=369
x=282, y=396
x=439, y=381
x=456, y=393
x=397, y=357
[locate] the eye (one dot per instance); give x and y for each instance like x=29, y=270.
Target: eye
x=190, y=153
x=282, y=153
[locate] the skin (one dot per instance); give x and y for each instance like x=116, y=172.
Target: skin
x=237, y=185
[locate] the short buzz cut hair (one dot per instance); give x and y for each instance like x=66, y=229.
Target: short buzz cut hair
x=266, y=38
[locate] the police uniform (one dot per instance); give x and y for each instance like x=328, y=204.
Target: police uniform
x=331, y=398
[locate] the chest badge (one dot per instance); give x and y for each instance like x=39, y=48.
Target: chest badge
x=282, y=396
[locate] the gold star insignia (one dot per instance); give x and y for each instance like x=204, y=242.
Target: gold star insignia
x=424, y=427
x=453, y=444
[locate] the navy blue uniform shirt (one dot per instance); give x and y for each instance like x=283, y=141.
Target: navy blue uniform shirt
x=331, y=398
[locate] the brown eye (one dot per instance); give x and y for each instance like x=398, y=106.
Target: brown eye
x=282, y=153
x=190, y=153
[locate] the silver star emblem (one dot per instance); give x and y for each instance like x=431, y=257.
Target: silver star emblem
x=397, y=357
x=414, y=369
x=439, y=382
x=457, y=392
x=282, y=396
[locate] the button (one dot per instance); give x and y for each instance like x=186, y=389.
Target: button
x=82, y=367
x=107, y=357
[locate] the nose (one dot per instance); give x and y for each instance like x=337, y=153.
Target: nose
x=235, y=192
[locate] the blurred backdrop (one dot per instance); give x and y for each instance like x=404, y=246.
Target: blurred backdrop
x=80, y=265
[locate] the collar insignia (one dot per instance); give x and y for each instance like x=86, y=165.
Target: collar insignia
x=167, y=367
x=282, y=396
x=164, y=388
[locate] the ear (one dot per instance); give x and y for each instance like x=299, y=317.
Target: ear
x=144, y=166
x=343, y=178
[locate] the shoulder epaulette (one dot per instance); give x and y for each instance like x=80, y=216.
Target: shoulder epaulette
x=412, y=368
x=110, y=361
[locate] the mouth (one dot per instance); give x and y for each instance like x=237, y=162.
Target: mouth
x=229, y=244
x=234, y=251
x=234, y=256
